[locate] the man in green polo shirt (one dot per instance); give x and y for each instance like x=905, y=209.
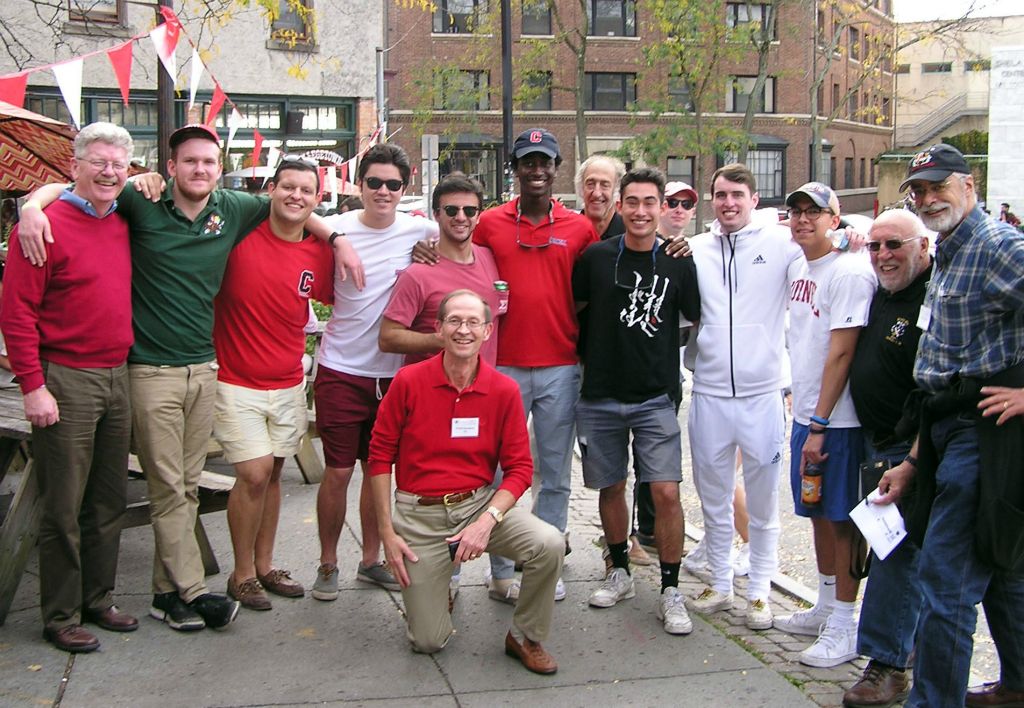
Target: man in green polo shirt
x=180, y=243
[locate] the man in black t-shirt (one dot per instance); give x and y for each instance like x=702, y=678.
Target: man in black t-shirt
x=635, y=294
x=881, y=377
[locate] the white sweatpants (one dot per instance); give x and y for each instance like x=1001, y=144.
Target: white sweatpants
x=756, y=425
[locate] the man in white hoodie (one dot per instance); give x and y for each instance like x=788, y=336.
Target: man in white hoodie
x=744, y=267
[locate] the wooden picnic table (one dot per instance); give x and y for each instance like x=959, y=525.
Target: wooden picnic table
x=19, y=529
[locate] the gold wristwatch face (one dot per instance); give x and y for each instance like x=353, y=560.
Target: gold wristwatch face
x=498, y=515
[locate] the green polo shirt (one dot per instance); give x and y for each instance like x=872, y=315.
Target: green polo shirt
x=177, y=268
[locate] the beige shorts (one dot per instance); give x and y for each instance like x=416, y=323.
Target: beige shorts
x=249, y=423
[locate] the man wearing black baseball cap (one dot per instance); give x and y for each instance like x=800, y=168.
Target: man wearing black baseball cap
x=966, y=465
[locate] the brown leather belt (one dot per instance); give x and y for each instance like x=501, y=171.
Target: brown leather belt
x=447, y=499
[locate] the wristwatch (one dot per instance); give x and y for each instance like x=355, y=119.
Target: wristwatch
x=333, y=237
x=497, y=513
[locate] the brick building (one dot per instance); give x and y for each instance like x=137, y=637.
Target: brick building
x=459, y=43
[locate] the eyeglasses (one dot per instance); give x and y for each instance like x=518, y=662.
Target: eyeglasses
x=638, y=284
x=923, y=189
x=394, y=185
x=685, y=203
x=452, y=210
x=893, y=244
x=457, y=323
x=300, y=159
x=551, y=227
x=100, y=165
x=811, y=212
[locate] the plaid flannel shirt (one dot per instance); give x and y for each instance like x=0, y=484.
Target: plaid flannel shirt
x=976, y=297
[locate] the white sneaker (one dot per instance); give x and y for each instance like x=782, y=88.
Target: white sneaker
x=696, y=561
x=835, y=645
x=710, y=601
x=617, y=585
x=741, y=561
x=759, y=614
x=809, y=622
x=453, y=586
x=504, y=590
x=672, y=611
x=559, y=591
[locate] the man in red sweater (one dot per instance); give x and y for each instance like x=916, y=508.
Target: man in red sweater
x=68, y=327
x=444, y=425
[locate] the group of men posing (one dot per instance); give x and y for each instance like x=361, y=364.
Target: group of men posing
x=443, y=361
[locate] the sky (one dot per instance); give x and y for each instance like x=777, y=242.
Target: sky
x=916, y=10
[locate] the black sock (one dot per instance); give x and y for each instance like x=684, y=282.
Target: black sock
x=669, y=575
x=619, y=553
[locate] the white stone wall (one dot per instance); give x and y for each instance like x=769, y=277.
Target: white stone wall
x=1006, y=130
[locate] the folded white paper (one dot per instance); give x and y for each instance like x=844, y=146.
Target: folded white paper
x=881, y=524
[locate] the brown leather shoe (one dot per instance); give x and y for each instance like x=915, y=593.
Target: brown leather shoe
x=249, y=593
x=111, y=619
x=531, y=654
x=280, y=583
x=880, y=685
x=993, y=694
x=73, y=638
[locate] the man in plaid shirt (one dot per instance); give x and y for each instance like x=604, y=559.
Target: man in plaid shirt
x=972, y=324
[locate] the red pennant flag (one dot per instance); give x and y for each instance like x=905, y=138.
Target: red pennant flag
x=216, y=103
x=344, y=175
x=173, y=29
x=257, y=146
x=322, y=174
x=121, y=59
x=12, y=89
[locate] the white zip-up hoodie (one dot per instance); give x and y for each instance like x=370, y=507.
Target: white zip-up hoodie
x=744, y=282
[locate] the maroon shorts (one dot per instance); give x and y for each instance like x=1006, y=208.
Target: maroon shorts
x=346, y=409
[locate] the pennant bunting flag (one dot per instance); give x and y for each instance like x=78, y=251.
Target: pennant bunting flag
x=322, y=174
x=197, y=74
x=235, y=121
x=168, y=59
x=12, y=89
x=216, y=103
x=273, y=156
x=121, y=59
x=173, y=32
x=69, y=79
x=256, y=147
x=344, y=175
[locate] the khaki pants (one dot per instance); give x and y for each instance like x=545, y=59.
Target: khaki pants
x=82, y=469
x=172, y=420
x=521, y=537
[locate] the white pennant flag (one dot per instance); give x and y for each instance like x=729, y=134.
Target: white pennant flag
x=69, y=79
x=273, y=156
x=235, y=121
x=170, y=62
x=197, y=74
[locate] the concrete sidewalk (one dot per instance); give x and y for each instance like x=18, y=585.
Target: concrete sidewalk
x=354, y=651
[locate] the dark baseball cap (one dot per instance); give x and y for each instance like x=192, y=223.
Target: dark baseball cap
x=193, y=130
x=821, y=194
x=536, y=140
x=935, y=164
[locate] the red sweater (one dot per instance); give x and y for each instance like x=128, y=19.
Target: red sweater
x=76, y=310
x=414, y=432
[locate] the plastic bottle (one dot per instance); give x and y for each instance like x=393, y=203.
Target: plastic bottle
x=810, y=485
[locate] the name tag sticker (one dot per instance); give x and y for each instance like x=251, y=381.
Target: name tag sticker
x=924, y=318
x=465, y=427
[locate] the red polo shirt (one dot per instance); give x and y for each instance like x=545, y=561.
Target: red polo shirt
x=414, y=431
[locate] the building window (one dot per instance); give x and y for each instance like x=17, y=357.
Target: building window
x=835, y=97
x=872, y=163
x=886, y=112
x=536, y=91
x=769, y=167
x=832, y=176
x=739, y=94
x=612, y=18
x=679, y=94
x=903, y=69
x=943, y=67
x=105, y=11
x=609, y=92
x=462, y=91
x=740, y=14
x=294, y=25
x=863, y=173
x=848, y=173
x=458, y=16
x=853, y=105
x=978, y=65
x=854, y=42
x=679, y=169
x=537, y=18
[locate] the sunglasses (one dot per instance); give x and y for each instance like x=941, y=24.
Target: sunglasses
x=685, y=203
x=893, y=244
x=452, y=211
x=394, y=185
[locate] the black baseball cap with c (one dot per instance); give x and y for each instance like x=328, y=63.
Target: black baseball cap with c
x=935, y=164
x=193, y=130
x=536, y=140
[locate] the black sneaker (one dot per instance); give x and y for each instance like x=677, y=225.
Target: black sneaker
x=168, y=607
x=217, y=610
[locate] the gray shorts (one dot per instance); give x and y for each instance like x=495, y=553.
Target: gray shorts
x=603, y=427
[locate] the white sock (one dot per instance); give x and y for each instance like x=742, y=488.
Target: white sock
x=843, y=613
x=826, y=593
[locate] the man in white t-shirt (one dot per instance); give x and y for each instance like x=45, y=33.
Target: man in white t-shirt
x=354, y=374
x=829, y=305
x=744, y=267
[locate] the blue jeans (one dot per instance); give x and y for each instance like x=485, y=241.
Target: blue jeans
x=550, y=394
x=953, y=581
x=892, y=598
